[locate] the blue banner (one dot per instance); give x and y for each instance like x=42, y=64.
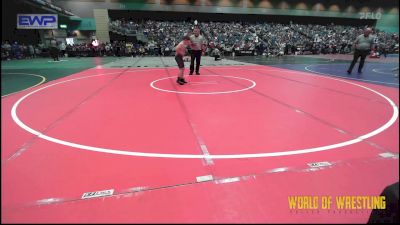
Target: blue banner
x=37, y=21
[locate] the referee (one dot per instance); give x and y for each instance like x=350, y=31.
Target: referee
x=363, y=45
x=196, y=45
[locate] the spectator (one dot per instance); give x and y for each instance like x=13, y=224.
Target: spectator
x=63, y=48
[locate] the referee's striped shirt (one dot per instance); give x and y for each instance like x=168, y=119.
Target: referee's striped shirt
x=196, y=42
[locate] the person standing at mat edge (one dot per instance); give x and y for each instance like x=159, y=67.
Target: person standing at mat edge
x=196, y=48
x=180, y=52
x=363, y=45
x=54, y=51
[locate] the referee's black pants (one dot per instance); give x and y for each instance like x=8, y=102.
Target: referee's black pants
x=195, y=54
x=358, y=53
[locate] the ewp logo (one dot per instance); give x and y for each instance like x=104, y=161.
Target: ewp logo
x=37, y=21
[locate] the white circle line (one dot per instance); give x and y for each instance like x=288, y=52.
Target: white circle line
x=203, y=93
x=377, y=71
x=30, y=74
x=385, y=126
x=196, y=156
x=372, y=81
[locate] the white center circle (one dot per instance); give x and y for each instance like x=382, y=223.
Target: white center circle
x=128, y=152
x=253, y=84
